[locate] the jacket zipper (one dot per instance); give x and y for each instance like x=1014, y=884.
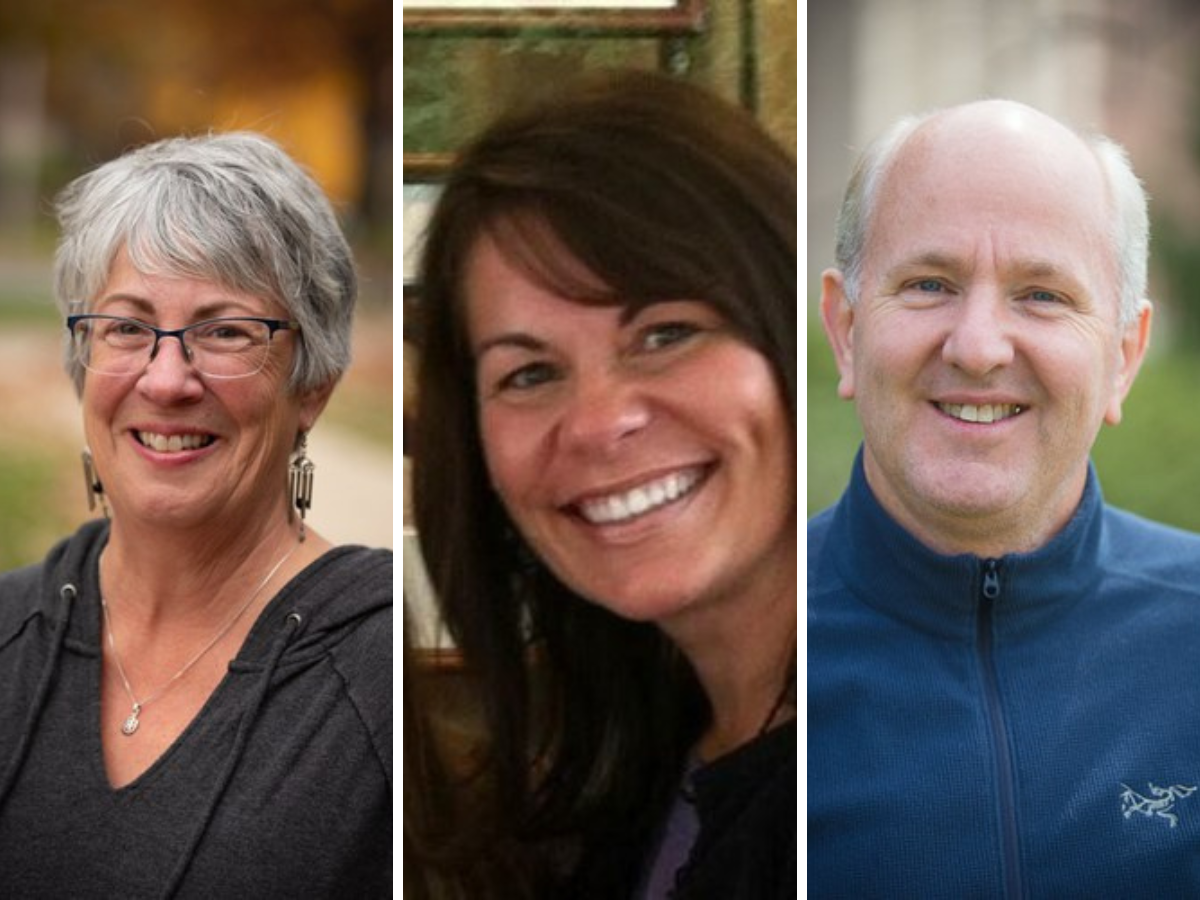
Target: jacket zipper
x=1005, y=782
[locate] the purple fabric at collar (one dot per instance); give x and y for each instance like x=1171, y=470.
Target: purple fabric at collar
x=674, y=845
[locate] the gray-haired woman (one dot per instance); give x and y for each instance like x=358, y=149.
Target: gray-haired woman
x=195, y=689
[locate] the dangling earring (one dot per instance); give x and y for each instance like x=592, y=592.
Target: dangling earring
x=300, y=482
x=91, y=480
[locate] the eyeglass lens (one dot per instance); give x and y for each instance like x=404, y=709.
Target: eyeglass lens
x=221, y=348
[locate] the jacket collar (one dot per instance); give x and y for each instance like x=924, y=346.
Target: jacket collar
x=889, y=569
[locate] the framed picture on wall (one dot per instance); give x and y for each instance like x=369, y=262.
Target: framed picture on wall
x=659, y=17
x=420, y=196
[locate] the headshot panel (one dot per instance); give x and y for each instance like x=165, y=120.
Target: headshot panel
x=196, y=572
x=600, y=653
x=997, y=354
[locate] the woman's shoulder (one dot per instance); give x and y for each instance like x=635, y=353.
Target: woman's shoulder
x=346, y=598
x=32, y=590
x=349, y=595
x=357, y=587
x=366, y=569
x=21, y=598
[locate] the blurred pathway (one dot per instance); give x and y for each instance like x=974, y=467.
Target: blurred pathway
x=352, y=488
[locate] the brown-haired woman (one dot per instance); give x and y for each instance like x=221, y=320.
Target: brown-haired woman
x=604, y=480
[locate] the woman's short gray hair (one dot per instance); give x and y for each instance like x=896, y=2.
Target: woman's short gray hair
x=1129, y=227
x=233, y=209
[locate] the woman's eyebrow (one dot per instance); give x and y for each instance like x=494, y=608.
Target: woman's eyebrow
x=517, y=340
x=207, y=310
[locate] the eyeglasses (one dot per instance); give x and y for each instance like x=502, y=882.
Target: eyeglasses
x=219, y=348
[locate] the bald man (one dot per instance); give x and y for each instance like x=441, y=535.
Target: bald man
x=1003, y=671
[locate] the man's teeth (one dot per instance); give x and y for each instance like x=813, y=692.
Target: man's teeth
x=986, y=413
x=173, y=443
x=640, y=500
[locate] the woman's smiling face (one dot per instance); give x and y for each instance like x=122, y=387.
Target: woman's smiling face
x=173, y=447
x=645, y=458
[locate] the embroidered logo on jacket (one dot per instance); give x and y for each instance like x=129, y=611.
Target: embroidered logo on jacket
x=1161, y=801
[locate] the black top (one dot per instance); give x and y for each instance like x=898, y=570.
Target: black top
x=746, y=849
x=281, y=785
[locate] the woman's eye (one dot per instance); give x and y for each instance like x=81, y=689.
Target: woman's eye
x=658, y=337
x=126, y=329
x=222, y=334
x=527, y=377
x=928, y=285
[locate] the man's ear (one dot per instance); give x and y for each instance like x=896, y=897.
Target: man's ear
x=837, y=318
x=1134, y=341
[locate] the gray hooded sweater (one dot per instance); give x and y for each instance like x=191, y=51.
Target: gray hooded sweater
x=280, y=787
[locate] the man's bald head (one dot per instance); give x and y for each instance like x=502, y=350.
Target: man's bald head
x=997, y=139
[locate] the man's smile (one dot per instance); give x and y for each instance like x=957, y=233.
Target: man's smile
x=985, y=413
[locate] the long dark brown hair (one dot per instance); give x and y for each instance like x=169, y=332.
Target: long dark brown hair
x=659, y=191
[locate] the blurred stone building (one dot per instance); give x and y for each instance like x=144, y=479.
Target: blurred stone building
x=1124, y=67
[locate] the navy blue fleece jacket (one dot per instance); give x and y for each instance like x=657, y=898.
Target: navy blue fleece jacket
x=1027, y=726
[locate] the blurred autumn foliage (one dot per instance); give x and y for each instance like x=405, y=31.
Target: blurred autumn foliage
x=83, y=80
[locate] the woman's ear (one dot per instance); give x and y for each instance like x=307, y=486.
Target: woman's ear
x=312, y=404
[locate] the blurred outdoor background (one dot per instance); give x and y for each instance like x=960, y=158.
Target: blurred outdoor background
x=1128, y=68
x=83, y=80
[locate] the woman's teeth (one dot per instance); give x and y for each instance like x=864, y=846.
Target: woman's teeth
x=640, y=500
x=173, y=443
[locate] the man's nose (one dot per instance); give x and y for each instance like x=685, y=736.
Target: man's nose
x=980, y=338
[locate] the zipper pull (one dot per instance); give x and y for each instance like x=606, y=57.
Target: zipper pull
x=991, y=579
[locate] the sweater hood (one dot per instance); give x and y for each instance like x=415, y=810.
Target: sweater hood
x=305, y=622
x=325, y=618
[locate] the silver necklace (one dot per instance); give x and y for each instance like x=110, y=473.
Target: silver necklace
x=130, y=725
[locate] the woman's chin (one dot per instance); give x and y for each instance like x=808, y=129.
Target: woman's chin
x=175, y=513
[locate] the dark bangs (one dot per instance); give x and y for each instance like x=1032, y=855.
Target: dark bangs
x=632, y=200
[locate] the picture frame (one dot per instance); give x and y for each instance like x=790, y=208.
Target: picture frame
x=427, y=633
x=419, y=196
x=468, y=58
x=499, y=17
x=422, y=174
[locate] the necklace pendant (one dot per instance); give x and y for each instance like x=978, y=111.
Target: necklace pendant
x=131, y=724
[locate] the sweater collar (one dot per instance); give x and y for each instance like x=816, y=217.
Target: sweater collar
x=888, y=568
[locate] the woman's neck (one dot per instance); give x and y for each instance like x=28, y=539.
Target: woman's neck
x=159, y=575
x=743, y=651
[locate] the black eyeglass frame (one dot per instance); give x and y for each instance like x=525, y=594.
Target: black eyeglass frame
x=273, y=325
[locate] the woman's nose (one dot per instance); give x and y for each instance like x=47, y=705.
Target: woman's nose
x=602, y=412
x=169, y=373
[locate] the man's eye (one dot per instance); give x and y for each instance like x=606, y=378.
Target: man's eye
x=928, y=285
x=1044, y=297
x=667, y=334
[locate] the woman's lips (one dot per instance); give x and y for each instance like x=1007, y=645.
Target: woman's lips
x=626, y=505
x=173, y=443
